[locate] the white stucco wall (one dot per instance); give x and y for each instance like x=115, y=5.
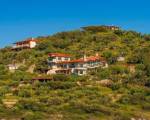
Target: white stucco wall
x=32, y=44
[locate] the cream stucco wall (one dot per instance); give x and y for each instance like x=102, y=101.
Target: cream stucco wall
x=32, y=44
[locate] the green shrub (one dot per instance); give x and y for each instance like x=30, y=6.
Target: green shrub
x=33, y=116
x=116, y=86
x=146, y=106
x=55, y=101
x=31, y=105
x=61, y=85
x=91, y=108
x=61, y=77
x=24, y=93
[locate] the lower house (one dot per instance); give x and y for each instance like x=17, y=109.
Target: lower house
x=28, y=43
x=78, y=67
x=12, y=67
x=120, y=59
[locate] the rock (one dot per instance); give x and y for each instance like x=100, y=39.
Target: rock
x=9, y=103
x=79, y=83
x=105, y=82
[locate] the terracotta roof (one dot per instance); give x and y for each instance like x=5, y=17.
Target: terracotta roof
x=81, y=60
x=58, y=55
x=26, y=41
x=72, y=61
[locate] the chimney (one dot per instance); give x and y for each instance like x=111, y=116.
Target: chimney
x=84, y=58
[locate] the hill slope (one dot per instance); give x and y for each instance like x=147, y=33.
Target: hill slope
x=120, y=92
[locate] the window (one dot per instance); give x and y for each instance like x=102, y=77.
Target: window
x=81, y=65
x=66, y=58
x=65, y=66
x=50, y=58
x=59, y=58
x=72, y=66
x=76, y=71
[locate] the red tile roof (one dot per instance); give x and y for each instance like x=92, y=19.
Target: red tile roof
x=26, y=41
x=88, y=59
x=59, y=55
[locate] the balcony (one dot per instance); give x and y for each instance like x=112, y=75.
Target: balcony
x=21, y=46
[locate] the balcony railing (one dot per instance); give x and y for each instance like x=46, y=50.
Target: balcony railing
x=21, y=46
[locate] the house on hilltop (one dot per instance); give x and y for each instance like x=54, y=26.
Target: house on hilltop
x=101, y=28
x=28, y=43
x=111, y=27
x=62, y=64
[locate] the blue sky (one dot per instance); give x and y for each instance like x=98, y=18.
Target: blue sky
x=20, y=19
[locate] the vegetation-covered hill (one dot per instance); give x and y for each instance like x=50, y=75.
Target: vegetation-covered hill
x=119, y=92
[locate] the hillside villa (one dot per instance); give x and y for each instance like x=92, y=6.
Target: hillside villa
x=62, y=63
x=112, y=27
x=101, y=27
x=28, y=43
x=120, y=59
